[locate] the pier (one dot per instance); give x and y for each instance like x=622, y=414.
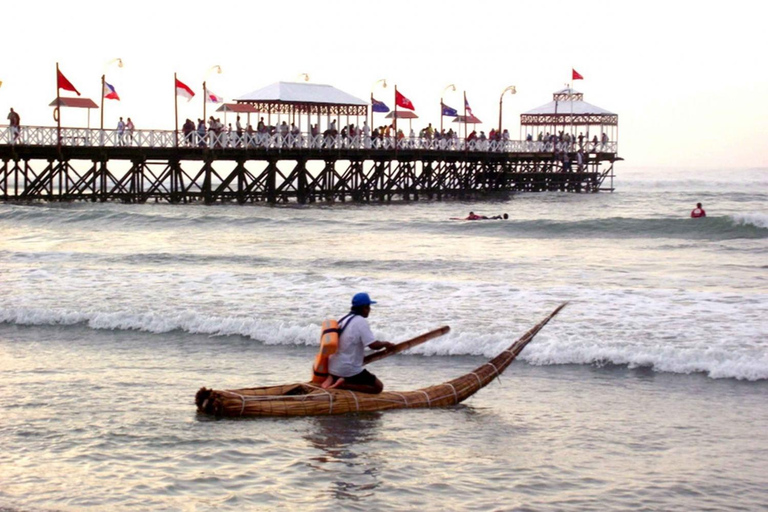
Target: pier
x=275, y=164
x=99, y=165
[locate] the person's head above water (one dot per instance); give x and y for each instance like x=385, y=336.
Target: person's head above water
x=698, y=205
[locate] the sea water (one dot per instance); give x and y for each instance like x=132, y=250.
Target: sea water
x=647, y=392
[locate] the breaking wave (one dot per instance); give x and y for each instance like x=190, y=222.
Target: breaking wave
x=556, y=345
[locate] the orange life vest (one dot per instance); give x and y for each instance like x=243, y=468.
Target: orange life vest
x=329, y=344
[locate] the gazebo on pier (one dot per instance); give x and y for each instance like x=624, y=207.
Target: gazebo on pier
x=301, y=101
x=569, y=113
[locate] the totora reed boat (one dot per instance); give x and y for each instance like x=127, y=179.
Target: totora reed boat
x=307, y=399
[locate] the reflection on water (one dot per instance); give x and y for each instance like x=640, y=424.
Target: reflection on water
x=354, y=470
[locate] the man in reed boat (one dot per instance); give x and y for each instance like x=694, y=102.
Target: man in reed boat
x=346, y=365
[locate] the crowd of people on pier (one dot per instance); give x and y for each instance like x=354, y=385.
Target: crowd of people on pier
x=216, y=135
x=563, y=141
x=213, y=133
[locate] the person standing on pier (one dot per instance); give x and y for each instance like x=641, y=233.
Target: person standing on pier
x=120, y=132
x=698, y=212
x=239, y=131
x=200, y=132
x=129, y=127
x=188, y=129
x=15, y=121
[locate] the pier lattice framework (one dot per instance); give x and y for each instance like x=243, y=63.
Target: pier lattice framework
x=285, y=170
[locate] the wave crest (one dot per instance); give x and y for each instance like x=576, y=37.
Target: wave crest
x=557, y=346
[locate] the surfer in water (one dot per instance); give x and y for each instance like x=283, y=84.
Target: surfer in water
x=698, y=212
x=474, y=216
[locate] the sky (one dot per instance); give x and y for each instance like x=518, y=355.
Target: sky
x=687, y=79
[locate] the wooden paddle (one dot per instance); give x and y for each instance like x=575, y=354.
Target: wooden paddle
x=405, y=345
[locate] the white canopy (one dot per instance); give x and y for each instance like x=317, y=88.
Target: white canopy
x=568, y=107
x=298, y=92
x=568, y=101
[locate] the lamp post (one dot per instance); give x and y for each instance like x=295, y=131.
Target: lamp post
x=383, y=82
x=119, y=62
x=303, y=76
x=216, y=68
x=512, y=90
x=452, y=88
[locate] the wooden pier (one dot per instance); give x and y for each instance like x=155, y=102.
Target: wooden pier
x=45, y=164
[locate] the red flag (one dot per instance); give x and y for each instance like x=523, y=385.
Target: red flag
x=183, y=90
x=576, y=75
x=402, y=101
x=63, y=83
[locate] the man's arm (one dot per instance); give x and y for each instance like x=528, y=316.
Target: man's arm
x=378, y=345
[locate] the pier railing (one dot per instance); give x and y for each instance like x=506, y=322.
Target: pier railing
x=86, y=137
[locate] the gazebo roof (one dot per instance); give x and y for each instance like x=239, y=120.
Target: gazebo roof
x=240, y=108
x=402, y=114
x=470, y=119
x=74, y=102
x=568, y=106
x=568, y=101
x=291, y=97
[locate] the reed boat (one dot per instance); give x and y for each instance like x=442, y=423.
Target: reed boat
x=308, y=399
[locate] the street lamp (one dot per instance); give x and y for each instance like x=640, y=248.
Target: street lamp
x=216, y=68
x=383, y=82
x=512, y=90
x=119, y=62
x=452, y=88
x=304, y=76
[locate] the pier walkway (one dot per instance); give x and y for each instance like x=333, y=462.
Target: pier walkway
x=70, y=164
x=95, y=138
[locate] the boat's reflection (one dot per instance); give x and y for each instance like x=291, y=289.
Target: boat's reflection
x=346, y=460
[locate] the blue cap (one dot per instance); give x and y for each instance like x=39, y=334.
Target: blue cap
x=362, y=299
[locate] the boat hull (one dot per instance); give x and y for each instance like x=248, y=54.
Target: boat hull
x=307, y=399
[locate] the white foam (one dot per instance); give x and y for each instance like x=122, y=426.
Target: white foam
x=671, y=331
x=717, y=363
x=680, y=309
x=755, y=218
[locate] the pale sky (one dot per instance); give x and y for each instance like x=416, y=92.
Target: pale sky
x=687, y=79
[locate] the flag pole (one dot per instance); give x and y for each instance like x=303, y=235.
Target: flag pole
x=56, y=109
x=371, y=127
x=102, y=102
x=441, y=114
x=465, y=117
x=395, y=123
x=570, y=96
x=175, y=113
x=205, y=96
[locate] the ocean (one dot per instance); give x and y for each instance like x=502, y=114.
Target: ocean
x=647, y=392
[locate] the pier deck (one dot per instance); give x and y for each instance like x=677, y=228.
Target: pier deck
x=45, y=164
